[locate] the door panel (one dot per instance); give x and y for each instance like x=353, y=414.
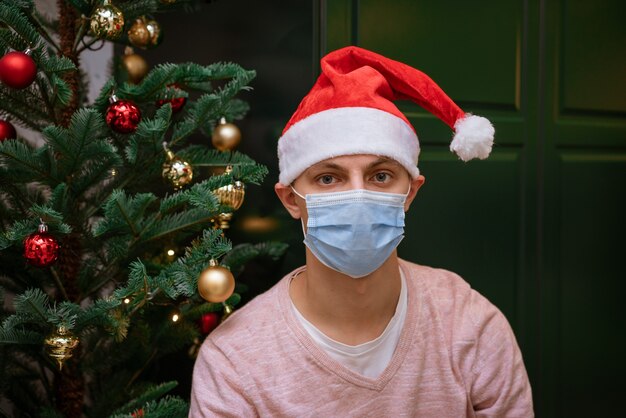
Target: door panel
x=538, y=227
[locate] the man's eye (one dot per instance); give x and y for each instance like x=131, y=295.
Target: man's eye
x=328, y=179
x=381, y=177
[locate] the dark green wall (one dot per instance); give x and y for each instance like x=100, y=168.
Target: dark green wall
x=538, y=227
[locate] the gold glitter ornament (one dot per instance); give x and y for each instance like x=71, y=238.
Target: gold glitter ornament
x=138, y=34
x=168, y=1
x=177, y=171
x=230, y=195
x=226, y=136
x=216, y=283
x=107, y=21
x=135, y=65
x=156, y=36
x=60, y=344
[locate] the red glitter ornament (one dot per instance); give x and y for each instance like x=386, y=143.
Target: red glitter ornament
x=176, y=102
x=7, y=131
x=208, y=322
x=123, y=116
x=41, y=249
x=17, y=69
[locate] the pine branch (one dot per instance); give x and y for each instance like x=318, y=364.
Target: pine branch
x=19, y=156
x=97, y=314
x=185, y=271
x=149, y=394
x=176, y=223
x=149, y=136
x=19, y=230
x=82, y=141
x=64, y=315
x=169, y=407
x=123, y=214
x=244, y=253
x=25, y=108
x=138, y=280
x=34, y=303
x=18, y=21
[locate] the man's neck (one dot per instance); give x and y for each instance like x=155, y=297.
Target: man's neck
x=351, y=311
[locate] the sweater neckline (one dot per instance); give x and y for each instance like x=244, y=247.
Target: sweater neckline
x=322, y=358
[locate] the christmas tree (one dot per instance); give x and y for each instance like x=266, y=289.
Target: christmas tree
x=112, y=245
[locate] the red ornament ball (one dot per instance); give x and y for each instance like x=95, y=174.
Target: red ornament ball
x=41, y=249
x=176, y=102
x=123, y=116
x=208, y=322
x=17, y=70
x=7, y=131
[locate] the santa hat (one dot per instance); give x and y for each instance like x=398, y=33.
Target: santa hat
x=350, y=110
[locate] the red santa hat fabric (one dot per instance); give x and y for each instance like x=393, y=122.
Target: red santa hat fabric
x=350, y=110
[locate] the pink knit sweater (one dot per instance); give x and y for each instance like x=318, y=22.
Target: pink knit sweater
x=457, y=357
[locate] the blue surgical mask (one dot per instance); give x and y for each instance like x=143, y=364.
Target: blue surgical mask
x=354, y=232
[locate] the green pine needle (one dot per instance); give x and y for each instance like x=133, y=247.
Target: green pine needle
x=152, y=393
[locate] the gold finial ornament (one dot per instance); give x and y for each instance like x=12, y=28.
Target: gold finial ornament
x=226, y=136
x=60, y=344
x=177, y=171
x=230, y=195
x=228, y=310
x=216, y=283
x=107, y=21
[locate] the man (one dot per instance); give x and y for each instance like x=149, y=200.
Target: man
x=356, y=331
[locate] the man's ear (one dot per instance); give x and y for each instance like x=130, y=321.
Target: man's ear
x=416, y=183
x=288, y=199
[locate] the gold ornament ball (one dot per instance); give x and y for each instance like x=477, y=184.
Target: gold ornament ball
x=60, y=344
x=136, y=66
x=232, y=194
x=168, y=1
x=216, y=283
x=226, y=136
x=177, y=171
x=139, y=35
x=107, y=21
x=155, y=32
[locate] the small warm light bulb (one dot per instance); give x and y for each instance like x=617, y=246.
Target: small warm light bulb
x=171, y=253
x=127, y=301
x=175, y=317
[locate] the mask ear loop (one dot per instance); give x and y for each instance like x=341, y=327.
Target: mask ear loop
x=298, y=194
x=301, y=220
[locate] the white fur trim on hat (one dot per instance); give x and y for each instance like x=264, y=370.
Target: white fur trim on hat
x=473, y=137
x=346, y=131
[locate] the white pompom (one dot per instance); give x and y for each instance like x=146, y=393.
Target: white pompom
x=473, y=138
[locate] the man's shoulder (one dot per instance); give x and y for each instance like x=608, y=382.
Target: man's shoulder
x=435, y=280
x=452, y=297
x=256, y=320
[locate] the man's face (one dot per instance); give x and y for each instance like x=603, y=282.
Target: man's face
x=348, y=172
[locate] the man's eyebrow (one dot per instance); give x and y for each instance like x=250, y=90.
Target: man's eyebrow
x=325, y=165
x=382, y=160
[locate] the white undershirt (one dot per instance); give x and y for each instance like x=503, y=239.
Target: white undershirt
x=369, y=359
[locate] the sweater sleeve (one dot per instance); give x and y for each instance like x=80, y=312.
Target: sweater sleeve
x=217, y=389
x=499, y=385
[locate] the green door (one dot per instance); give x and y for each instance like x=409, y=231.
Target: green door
x=538, y=227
